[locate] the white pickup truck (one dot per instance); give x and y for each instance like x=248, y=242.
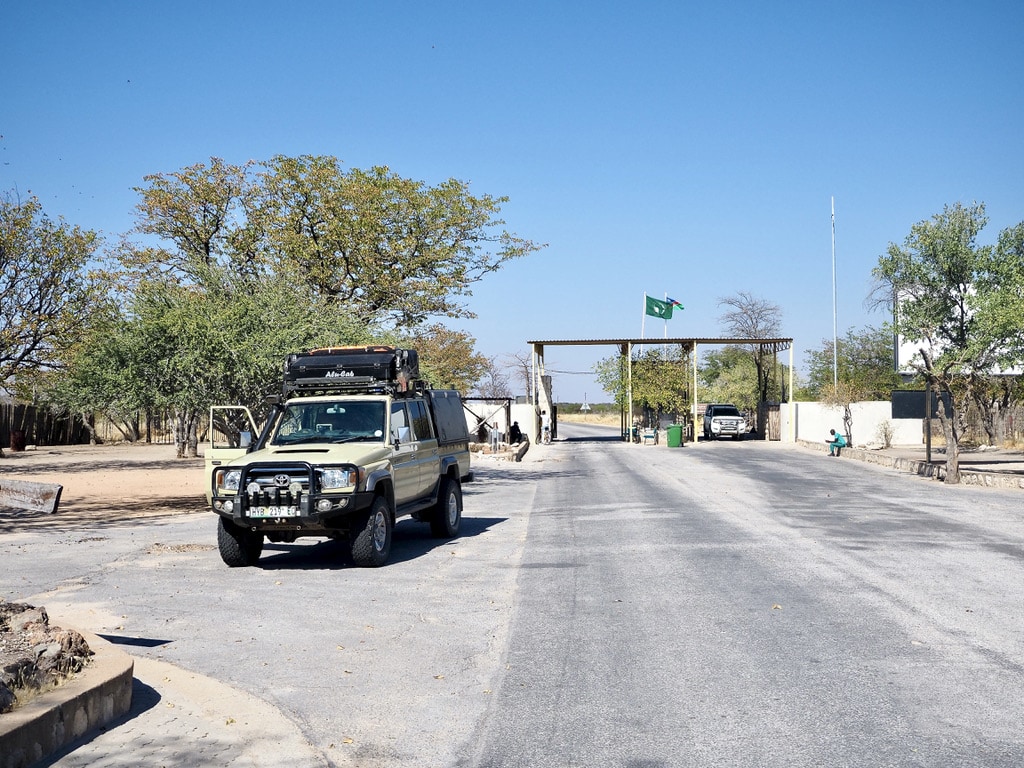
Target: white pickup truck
x=721, y=419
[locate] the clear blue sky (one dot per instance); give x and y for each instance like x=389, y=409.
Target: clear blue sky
x=679, y=148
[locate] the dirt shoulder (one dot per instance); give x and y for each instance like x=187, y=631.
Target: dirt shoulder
x=106, y=483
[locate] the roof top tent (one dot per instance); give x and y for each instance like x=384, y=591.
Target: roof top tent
x=378, y=369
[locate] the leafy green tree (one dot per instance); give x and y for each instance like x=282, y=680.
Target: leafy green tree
x=173, y=348
x=101, y=368
x=959, y=303
x=198, y=216
x=206, y=347
x=729, y=375
x=659, y=377
x=863, y=368
x=241, y=265
x=865, y=360
x=48, y=290
x=384, y=247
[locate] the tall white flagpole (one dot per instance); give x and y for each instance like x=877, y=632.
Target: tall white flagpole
x=643, y=317
x=835, y=322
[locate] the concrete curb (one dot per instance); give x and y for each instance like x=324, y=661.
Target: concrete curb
x=993, y=479
x=90, y=700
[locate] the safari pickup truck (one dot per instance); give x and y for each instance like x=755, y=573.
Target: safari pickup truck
x=355, y=442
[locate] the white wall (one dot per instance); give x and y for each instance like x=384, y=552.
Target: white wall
x=525, y=414
x=814, y=420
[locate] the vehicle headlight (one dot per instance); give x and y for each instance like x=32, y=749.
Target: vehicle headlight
x=333, y=479
x=228, y=479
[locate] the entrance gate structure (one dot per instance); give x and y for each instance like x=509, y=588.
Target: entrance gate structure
x=541, y=386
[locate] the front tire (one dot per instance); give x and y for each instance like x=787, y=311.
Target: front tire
x=371, y=544
x=447, y=515
x=238, y=547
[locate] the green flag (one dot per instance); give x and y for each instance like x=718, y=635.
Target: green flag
x=656, y=308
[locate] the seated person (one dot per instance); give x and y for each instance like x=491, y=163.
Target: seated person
x=835, y=443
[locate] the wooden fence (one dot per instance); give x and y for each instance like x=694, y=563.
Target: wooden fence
x=28, y=424
x=22, y=425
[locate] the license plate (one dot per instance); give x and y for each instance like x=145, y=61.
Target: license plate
x=274, y=511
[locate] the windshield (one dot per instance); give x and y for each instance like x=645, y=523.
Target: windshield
x=338, y=422
x=726, y=410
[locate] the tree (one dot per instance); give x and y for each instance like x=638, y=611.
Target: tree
x=100, y=374
x=995, y=398
x=728, y=375
x=865, y=362
x=959, y=303
x=384, y=247
x=843, y=394
x=659, y=377
x=749, y=317
x=199, y=217
x=447, y=358
x=243, y=264
x=47, y=288
x=493, y=384
x=521, y=364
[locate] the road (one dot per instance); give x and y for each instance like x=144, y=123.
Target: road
x=725, y=604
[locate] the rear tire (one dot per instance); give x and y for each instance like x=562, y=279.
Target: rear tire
x=238, y=547
x=447, y=515
x=371, y=545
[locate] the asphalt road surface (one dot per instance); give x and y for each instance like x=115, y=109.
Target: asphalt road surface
x=725, y=604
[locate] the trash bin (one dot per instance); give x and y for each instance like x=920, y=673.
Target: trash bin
x=675, y=435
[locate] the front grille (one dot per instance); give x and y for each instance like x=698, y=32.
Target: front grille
x=275, y=485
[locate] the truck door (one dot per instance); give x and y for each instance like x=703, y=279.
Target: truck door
x=232, y=431
x=404, y=454
x=428, y=467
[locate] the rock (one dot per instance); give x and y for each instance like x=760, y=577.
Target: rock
x=22, y=621
x=7, y=699
x=34, y=656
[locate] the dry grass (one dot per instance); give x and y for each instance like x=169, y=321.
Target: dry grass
x=605, y=419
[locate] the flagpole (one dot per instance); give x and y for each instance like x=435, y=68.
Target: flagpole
x=835, y=323
x=643, y=316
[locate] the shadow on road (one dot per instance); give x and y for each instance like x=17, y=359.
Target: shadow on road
x=410, y=540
